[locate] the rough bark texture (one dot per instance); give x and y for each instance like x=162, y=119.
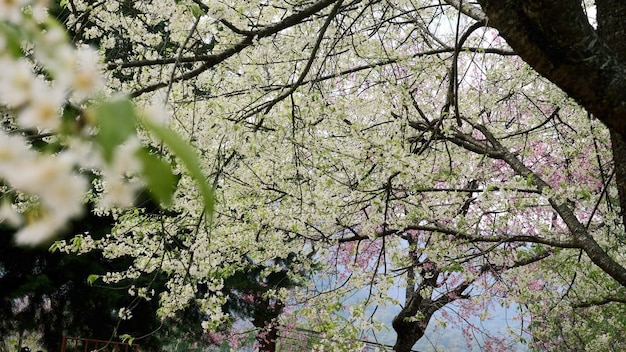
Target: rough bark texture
x=611, y=15
x=409, y=332
x=419, y=303
x=556, y=39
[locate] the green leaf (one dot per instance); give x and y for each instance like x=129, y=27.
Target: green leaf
x=92, y=278
x=116, y=122
x=76, y=242
x=585, y=194
x=126, y=338
x=13, y=38
x=453, y=267
x=189, y=158
x=69, y=119
x=159, y=177
x=54, y=247
x=196, y=11
x=529, y=180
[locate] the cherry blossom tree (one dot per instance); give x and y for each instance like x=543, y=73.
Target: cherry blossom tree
x=562, y=47
x=377, y=143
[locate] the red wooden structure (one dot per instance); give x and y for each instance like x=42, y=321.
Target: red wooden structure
x=77, y=344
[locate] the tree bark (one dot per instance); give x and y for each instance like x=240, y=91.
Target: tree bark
x=409, y=332
x=556, y=39
x=611, y=16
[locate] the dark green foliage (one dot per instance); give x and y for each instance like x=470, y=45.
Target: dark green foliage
x=247, y=289
x=48, y=292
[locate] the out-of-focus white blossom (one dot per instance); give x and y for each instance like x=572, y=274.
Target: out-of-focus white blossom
x=39, y=9
x=9, y=215
x=11, y=10
x=125, y=161
x=16, y=80
x=118, y=192
x=85, y=154
x=44, y=110
x=65, y=197
x=57, y=186
x=55, y=36
x=87, y=78
x=157, y=111
x=59, y=189
x=39, y=231
x=13, y=149
x=120, y=183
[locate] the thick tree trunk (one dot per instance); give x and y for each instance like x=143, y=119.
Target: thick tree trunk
x=405, y=343
x=556, y=39
x=408, y=332
x=611, y=16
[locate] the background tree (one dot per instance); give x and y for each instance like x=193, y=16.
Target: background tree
x=334, y=134
x=48, y=293
x=332, y=129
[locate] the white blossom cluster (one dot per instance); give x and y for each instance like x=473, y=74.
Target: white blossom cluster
x=339, y=158
x=42, y=77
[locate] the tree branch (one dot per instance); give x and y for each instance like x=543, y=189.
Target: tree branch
x=556, y=39
x=247, y=41
x=599, y=302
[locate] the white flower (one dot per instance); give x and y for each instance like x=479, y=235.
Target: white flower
x=119, y=185
x=125, y=314
x=34, y=175
x=65, y=197
x=44, y=110
x=39, y=231
x=55, y=36
x=9, y=215
x=87, y=78
x=157, y=112
x=16, y=79
x=84, y=153
x=13, y=150
x=118, y=192
x=125, y=161
x=62, y=63
x=59, y=189
x=112, y=6
x=40, y=10
x=11, y=10
x=56, y=55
